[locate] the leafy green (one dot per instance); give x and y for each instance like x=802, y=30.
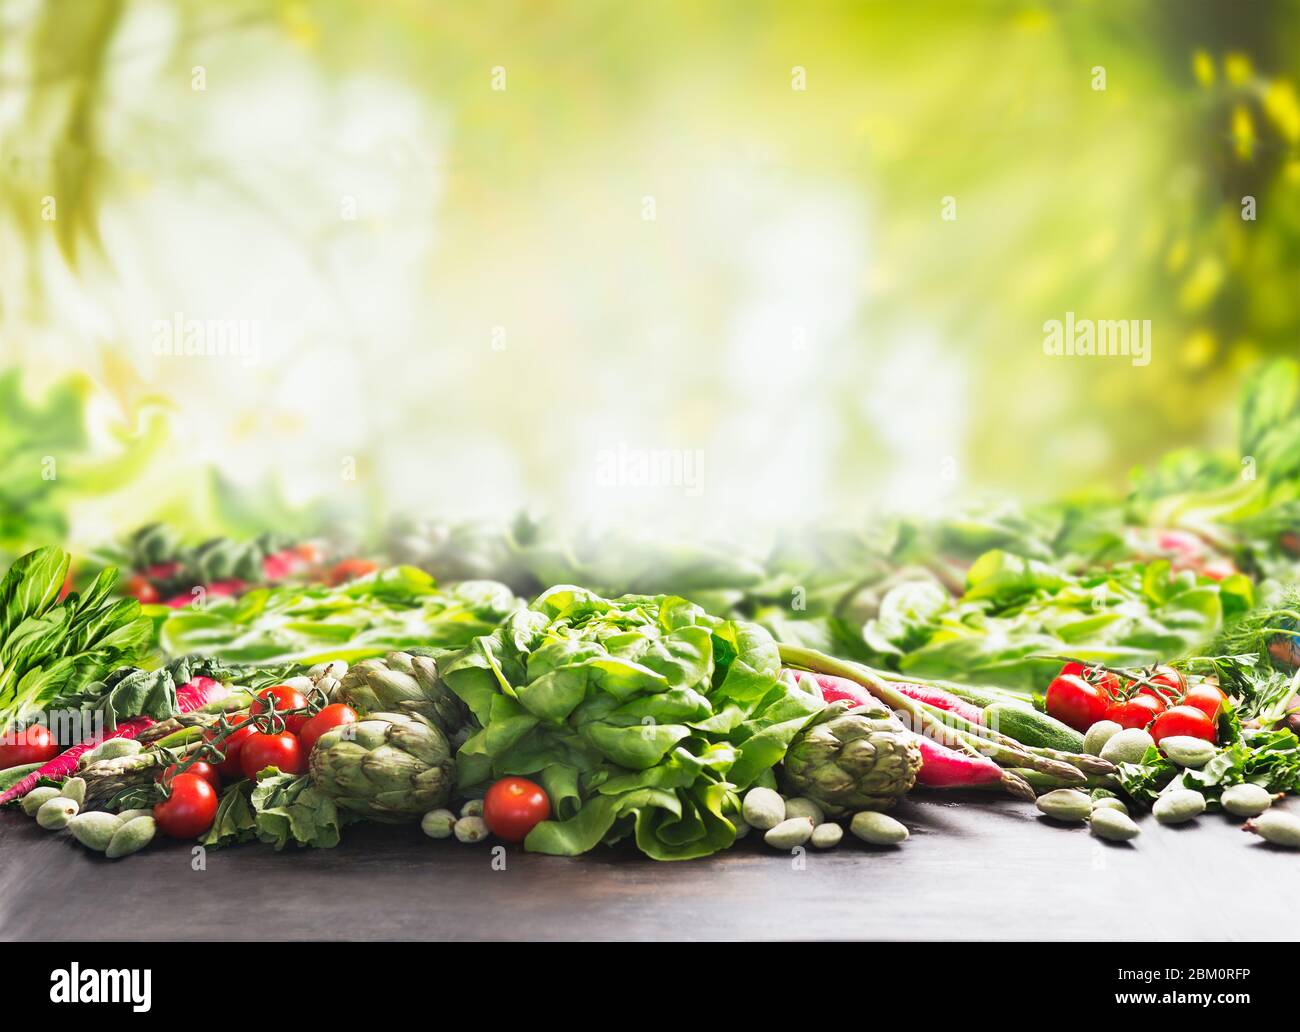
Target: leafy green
x=388, y=610
x=1019, y=618
x=51, y=649
x=639, y=715
x=132, y=691
x=277, y=809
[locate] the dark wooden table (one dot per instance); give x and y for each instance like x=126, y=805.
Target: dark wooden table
x=975, y=869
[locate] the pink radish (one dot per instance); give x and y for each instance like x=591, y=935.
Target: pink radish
x=189, y=697
x=942, y=767
x=836, y=688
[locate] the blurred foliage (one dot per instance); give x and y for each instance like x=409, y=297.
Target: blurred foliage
x=779, y=207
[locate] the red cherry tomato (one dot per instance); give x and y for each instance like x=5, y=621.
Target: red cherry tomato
x=140, y=588
x=189, y=810
x=1075, y=701
x=332, y=716
x=1207, y=698
x=351, y=569
x=1167, y=678
x=199, y=768
x=1183, y=720
x=1138, y=711
x=282, y=750
x=32, y=744
x=230, y=767
x=513, y=807
x=1103, y=679
x=286, y=698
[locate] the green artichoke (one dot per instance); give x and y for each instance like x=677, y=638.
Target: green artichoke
x=858, y=759
x=387, y=766
x=405, y=682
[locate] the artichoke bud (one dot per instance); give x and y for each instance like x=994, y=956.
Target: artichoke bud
x=853, y=760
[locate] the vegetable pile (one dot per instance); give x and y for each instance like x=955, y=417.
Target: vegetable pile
x=1100, y=658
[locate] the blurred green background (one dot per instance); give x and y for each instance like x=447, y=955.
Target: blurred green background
x=477, y=249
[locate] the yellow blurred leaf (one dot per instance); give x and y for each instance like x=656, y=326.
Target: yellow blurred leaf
x=1203, y=68
x=1243, y=133
x=1202, y=284
x=1282, y=109
x=1237, y=68
x=1198, y=350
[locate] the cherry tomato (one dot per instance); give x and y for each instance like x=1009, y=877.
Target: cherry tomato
x=32, y=744
x=283, y=751
x=1183, y=720
x=199, y=768
x=1076, y=702
x=141, y=588
x=1103, y=679
x=230, y=767
x=1166, y=677
x=286, y=698
x=189, y=810
x=1138, y=711
x=1205, y=697
x=332, y=716
x=351, y=569
x=513, y=807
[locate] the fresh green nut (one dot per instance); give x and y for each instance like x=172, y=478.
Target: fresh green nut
x=131, y=837
x=1066, y=804
x=1246, y=800
x=738, y=822
x=95, y=829
x=55, y=813
x=473, y=808
x=470, y=829
x=877, y=828
x=1099, y=734
x=1127, y=746
x=1277, y=827
x=34, y=799
x=827, y=836
x=763, y=809
x=438, y=823
x=1182, y=804
x=794, y=831
x=1109, y=803
x=1187, y=751
x=1112, y=825
x=130, y=815
x=800, y=806
x=112, y=749
x=74, y=789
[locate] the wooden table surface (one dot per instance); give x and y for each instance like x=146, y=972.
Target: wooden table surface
x=974, y=869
